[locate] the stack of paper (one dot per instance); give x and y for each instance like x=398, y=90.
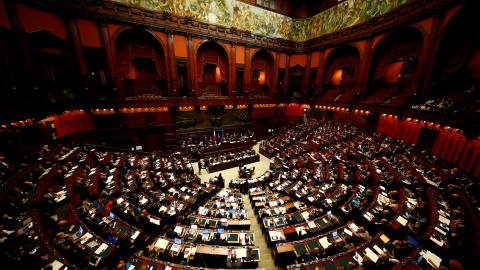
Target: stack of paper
x=101, y=248
x=324, y=242
x=135, y=235
x=56, y=265
x=161, y=243
x=154, y=221
x=431, y=257
x=372, y=255
x=443, y=219
x=353, y=226
x=86, y=237
x=402, y=220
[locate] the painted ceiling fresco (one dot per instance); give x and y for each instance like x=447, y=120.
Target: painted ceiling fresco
x=242, y=16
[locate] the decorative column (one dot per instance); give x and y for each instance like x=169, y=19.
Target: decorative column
x=191, y=66
x=171, y=63
x=364, y=67
x=306, y=76
x=74, y=36
x=233, y=70
x=107, y=51
x=276, y=69
x=427, y=59
x=247, y=73
x=320, y=72
x=286, y=78
x=30, y=80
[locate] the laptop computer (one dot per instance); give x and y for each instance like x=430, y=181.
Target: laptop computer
x=109, y=218
x=177, y=244
x=79, y=233
x=336, y=237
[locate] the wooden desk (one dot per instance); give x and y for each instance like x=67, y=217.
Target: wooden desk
x=287, y=247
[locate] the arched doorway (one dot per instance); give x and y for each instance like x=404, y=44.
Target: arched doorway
x=212, y=70
x=262, y=74
x=340, y=73
x=393, y=66
x=140, y=59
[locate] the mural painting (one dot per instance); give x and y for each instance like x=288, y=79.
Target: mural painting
x=233, y=13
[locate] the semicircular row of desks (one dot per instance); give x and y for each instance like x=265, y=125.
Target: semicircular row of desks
x=276, y=226
x=372, y=249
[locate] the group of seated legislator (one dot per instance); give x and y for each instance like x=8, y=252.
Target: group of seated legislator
x=319, y=208
x=228, y=138
x=380, y=210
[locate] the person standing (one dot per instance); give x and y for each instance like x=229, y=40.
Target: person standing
x=199, y=167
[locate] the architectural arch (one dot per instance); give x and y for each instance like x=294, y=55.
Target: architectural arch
x=140, y=62
x=262, y=68
x=212, y=65
x=394, y=62
x=340, y=71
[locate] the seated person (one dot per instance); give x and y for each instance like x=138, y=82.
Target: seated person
x=232, y=262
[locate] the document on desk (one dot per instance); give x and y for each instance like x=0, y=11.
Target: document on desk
x=347, y=231
x=444, y=220
x=384, y=238
x=273, y=204
x=440, y=230
x=402, y=220
x=56, y=265
x=377, y=249
x=241, y=252
x=101, y=248
x=162, y=208
x=430, y=256
x=324, y=242
x=178, y=230
x=275, y=235
x=135, y=235
x=120, y=200
x=154, y=221
x=161, y=243
x=305, y=215
x=436, y=241
x=372, y=255
x=353, y=226
x=86, y=237
x=312, y=225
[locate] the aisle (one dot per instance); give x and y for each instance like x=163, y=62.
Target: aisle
x=265, y=252
x=266, y=258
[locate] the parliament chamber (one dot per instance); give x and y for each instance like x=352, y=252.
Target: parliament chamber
x=239, y=134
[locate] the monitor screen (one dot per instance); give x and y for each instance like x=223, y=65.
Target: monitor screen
x=419, y=259
x=112, y=215
x=80, y=230
x=205, y=232
x=194, y=227
x=356, y=202
x=221, y=230
x=178, y=241
x=329, y=212
x=334, y=234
